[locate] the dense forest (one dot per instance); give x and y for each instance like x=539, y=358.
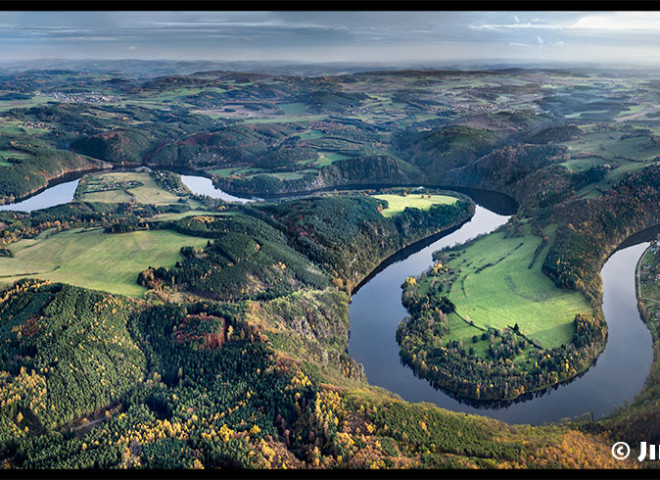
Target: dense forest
x=200, y=388
x=234, y=355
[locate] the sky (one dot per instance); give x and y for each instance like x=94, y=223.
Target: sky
x=355, y=36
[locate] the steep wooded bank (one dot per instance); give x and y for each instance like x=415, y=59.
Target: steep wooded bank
x=208, y=390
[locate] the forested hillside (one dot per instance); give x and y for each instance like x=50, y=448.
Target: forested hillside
x=210, y=333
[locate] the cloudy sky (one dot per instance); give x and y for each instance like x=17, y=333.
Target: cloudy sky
x=537, y=36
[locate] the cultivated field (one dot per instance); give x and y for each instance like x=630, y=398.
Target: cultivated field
x=118, y=189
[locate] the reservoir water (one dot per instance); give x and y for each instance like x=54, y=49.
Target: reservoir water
x=51, y=196
x=204, y=186
x=376, y=309
x=616, y=377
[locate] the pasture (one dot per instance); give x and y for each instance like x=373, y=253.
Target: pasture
x=93, y=259
x=398, y=203
x=495, y=287
x=328, y=158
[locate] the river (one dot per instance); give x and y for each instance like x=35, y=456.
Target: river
x=204, y=186
x=616, y=377
x=61, y=193
x=51, y=196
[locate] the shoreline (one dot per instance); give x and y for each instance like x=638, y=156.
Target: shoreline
x=67, y=176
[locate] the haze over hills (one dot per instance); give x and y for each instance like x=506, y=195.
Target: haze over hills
x=145, y=68
x=371, y=253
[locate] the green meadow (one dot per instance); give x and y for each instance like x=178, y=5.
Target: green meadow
x=328, y=158
x=398, y=203
x=310, y=134
x=495, y=287
x=626, y=155
x=296, y=108
x=226, y=172
x=93, y=259
x=283, y=119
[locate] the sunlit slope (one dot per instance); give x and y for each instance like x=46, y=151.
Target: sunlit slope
x=496, y=288
x=93, y=259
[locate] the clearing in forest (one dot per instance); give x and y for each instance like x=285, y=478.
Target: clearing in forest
x=398, y=203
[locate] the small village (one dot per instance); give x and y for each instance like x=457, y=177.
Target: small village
x=80, y=97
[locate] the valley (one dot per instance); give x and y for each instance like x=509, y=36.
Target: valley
x=225, y=226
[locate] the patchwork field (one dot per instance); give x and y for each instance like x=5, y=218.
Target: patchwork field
x=398, y=203
x=623, y=153
x=93, y=259
x=119, y=187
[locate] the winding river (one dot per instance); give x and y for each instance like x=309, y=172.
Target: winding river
x=615, y=378
x=61, y=192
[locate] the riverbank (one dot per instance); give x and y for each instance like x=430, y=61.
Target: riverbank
x=487, y=323
x=63, y=176
x=376, y=311
x=640, y=421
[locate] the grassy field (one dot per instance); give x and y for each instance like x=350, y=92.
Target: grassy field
x=496, y=288
x=6, y=105
x=293, y=108
x=608, y=147
x=397, y=203
x=286, y=175
x=191, y=213
x=149, y=192
x=11, y=128
x=15, y=154
x=583, y=164
x=328, y=158
x=93, y=259
x=310, y=134
x=572, y=116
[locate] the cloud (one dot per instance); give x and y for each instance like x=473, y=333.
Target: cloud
x=609, y=22
x=634, y=21
x=334, y=35
x=88, y=38
x=517, y=26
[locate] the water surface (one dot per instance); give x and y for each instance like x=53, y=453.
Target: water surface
x=50, y=197
x=616, y=377
x=204, y=186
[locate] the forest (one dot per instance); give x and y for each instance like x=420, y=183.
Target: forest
x=222, y=342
